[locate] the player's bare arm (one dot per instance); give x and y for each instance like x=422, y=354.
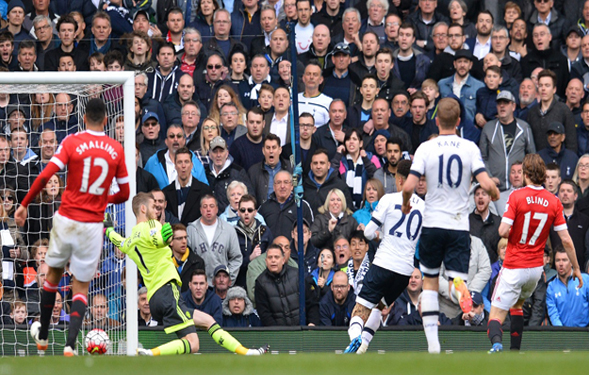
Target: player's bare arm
x=408, y=189
x=488, y=185
x=569, y=246
x=504, y=229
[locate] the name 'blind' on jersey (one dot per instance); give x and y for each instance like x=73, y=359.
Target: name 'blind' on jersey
x=448, y=163
x=401, y=232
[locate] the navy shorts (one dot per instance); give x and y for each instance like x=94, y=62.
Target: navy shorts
x=438, y=245
x=380, y=282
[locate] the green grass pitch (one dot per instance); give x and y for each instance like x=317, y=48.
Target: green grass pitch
x=405, y=363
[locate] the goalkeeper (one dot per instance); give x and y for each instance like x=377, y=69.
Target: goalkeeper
x=148, y=248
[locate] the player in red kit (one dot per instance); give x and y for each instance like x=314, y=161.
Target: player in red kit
x=93, y=160
x=529, y=214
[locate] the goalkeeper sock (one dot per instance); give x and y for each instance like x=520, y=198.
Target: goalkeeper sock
x=517, y=328
x=47, y=304
x=371, y=326
x=180, y=346
x=224, y=339
x=77, y=313
x=494, y=331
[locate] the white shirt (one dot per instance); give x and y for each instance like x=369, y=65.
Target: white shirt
x=481, y=50
x=279, y=128
x=317, y=106
x=178, y=187
x=304, y=37
x=448, y=183
x=209, y=231
x=457, y=86
x=401, y=232
x=170, y=167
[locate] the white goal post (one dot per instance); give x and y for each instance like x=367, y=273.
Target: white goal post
x=17, y=82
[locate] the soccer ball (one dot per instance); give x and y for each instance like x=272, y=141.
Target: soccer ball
x=97, y=341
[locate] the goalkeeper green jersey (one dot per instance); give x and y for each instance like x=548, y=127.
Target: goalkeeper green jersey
x=151, y=254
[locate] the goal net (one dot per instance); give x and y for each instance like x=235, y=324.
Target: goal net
x=37, y=111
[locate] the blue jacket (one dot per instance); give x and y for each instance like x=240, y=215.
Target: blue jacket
x=364, y=214
x=156, y=165
x=487, y=103
x=582, y=137
x=566, y=159
x=568, y=306
x=468, y=94
x=336, y=315
x=211, y=305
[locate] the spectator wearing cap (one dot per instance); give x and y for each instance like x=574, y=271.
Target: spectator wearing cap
x=410, y=64
x=319, y=49
x=254, y=237
x=16, y=17
x=581, y=67
x=141, y=22
x=545, y=13
x=484, y=224
x=185, y=260
x=238, y=310
x=337, y=83
x=551, y=110
x=541, y=55
x=477, y=317
x=152, y=142
x=214, y=240
x=164, y=79
x=222, y=171
x=574, y=96
x=442, y=65
x=221, y=281
x=504, y=141
x=461, y=83
x=202, y=297
x=310, y=252
x=556, y=151
x=572, y=47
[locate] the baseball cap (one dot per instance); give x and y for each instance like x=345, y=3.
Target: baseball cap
x=555, y=127
x=477, y=298
x=463, y=53
x=341, y=47
x=505, y=95
x=149, y=115
x=220, y=268
x=574, y=29
x=305, y=222
x=218, y=142
x=15, y=107
x=141, y=11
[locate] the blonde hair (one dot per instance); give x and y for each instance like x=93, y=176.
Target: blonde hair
x=502, y=243
x=325, y=208
x=204, y=145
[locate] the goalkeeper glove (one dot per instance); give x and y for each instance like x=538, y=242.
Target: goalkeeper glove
x=167, y=232
x=108, y=223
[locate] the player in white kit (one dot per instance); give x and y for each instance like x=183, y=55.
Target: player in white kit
x=389, y=274
x=449, y=163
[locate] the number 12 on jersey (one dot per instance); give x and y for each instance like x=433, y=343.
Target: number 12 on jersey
x=95, y=188
x=542, y=217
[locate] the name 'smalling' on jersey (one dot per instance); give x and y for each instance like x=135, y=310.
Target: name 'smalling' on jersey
x=99, y=145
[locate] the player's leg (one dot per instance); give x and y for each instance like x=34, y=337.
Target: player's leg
x=49, y=289
x=77, y=313
x=531, y=276
x=222, y=337
x=456, y=261
x=431, y=253
x=494, y=330
x=187, y=343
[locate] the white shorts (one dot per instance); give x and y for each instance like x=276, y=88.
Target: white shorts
x=76, y=242
x=513, y=285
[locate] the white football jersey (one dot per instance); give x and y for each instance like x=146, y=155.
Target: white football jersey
x=448, y=163
x=317, y=106
x=400, y=232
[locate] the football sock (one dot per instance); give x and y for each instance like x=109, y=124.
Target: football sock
x=494, y=331
x=356, y=326
x=79, y=304
x=179, y=346
x=430, y=311
x=224, y=339
x=517, y=328
x=47, y=304
x=371, y=326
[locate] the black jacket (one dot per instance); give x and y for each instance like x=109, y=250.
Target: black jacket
x=535, y=306
x=316, y=195
x=390, y=87
x=15, y=176
x=277, y=297
x=336, y=315
x=192, y=263
x=557, y=112
x=145, y=181
x=487, y=231
x=334, y=23
x=323, y=139
x=577, y=225
x=262, y=236
x=281, y=217
x=260, y=179
x=548, y=59
x=321, y=237
x=191, y=210
x=359, y=70
x=80, y=58
x=220, y=183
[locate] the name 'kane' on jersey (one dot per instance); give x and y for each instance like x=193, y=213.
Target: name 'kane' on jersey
x=448, y=163
x=401, y=232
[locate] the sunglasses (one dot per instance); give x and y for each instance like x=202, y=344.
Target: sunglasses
x=8, y=197
x=216, y=67
x=250, y=210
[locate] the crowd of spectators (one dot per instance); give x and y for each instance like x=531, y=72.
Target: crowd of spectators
x=213, y=87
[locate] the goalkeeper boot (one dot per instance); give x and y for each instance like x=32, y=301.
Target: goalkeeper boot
x=41, y=344
x=147, y=352
x=463, y=295
x=68, y=351
x=497, y=348
x=263, y=350
x=354, y=345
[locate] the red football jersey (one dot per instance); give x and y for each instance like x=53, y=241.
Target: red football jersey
x=93, y=160
x=530, y=211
